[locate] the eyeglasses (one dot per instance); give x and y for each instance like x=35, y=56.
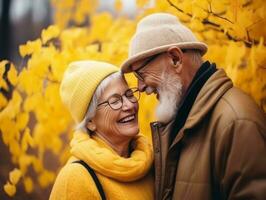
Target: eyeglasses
x=137, y=73
x=116, y=101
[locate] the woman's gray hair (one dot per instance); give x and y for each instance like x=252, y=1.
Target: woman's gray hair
x=94, y=101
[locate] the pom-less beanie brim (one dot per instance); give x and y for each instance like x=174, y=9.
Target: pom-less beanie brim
x=126, y=66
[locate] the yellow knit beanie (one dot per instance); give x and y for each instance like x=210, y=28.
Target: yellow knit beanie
x=79, y=84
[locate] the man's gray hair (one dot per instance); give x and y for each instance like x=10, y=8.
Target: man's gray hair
x=94, y=101
x=195, y=57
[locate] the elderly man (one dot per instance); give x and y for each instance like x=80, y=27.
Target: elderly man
x=210, y=138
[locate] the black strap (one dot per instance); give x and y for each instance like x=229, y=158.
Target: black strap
x=95, y=178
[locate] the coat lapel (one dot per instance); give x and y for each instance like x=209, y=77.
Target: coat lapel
x=209, y=95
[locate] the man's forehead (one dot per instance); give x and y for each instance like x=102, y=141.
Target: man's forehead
x=137, y=64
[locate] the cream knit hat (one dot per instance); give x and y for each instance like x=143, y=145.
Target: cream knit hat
x=79, y=84
x=155, y=34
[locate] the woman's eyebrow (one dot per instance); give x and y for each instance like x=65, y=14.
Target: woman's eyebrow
x=117, y=94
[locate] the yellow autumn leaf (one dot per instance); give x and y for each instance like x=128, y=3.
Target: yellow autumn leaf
x=28, y=184
x=12, y=108
x=37, y=165
x=3, y=101
x=12, y=75
x=46, y=178
x=14, y=147
x=27, y=140
x=101, y=23
x=6, y=127
x=3, y=83
x=27, y=78
x=24, y=161
x=218, y=6
x=2, y=67
x=14, y=176
x=50, y=33
x=10, y=189
x=22, y=120
x=30, y=47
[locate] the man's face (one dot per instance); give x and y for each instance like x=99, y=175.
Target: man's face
x=157, y=75
x=148, y=71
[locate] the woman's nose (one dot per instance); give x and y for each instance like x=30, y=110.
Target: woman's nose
x=127, y=105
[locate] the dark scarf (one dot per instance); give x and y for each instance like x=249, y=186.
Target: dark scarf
x=200, y=78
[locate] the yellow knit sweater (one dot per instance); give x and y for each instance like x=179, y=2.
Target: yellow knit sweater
x=121, y=178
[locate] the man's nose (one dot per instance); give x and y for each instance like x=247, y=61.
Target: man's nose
x=141, y=86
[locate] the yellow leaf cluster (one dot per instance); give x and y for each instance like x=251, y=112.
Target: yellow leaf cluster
x=76, y=11
x=30, y=47
x=10, y=187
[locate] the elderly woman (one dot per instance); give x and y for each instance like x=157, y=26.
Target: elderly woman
x=110, y=159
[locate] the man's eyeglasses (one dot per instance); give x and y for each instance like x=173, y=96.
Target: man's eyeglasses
x=137, y=73
x=116, y=101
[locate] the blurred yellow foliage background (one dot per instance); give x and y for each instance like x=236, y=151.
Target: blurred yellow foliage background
x=33, y=120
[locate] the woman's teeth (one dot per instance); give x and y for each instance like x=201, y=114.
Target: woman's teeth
x=127, y=119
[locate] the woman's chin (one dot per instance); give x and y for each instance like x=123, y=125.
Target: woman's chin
x=129, y=128
x=130, y=131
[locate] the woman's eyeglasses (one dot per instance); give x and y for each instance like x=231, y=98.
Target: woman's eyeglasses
x=116, y=101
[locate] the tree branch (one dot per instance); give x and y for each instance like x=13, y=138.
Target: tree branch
x=217, y=27
x=215, y=14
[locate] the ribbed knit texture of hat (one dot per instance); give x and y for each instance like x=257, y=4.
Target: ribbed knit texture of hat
x=155, y=34
x=79, y=83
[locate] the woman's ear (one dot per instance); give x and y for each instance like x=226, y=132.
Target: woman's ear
x=91, y=126
x=176, y=54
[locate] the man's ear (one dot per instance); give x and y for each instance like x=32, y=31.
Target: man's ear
x=91, y=126
x=176, y=55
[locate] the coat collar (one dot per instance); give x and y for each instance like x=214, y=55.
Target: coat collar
x=203, y=74
x=208, y=96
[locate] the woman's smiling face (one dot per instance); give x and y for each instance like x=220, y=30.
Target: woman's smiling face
x=121, y=123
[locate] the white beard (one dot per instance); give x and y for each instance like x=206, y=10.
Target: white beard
x=170, y=95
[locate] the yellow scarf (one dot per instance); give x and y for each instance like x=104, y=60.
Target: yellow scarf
x=104, y=160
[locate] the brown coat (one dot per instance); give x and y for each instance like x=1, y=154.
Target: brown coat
x=220, y=153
